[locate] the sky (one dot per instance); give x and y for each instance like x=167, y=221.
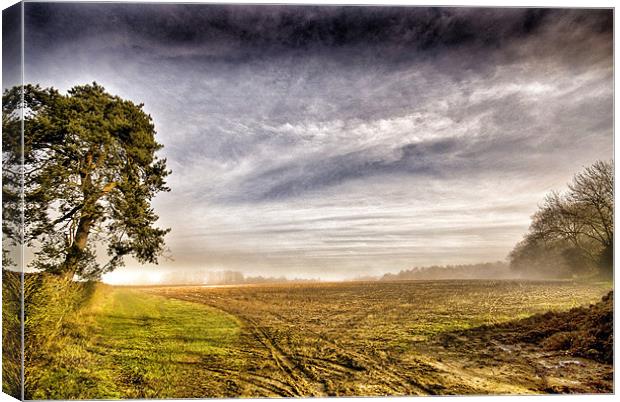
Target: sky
x=331, y=142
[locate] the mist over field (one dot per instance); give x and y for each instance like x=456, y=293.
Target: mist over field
x=337, y=142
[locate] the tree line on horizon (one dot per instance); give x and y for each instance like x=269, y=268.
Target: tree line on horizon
x=224, y=277
x=486, y=270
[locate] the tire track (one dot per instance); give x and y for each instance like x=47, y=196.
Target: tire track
x=285, y=363
x=295, y=374
x=259, y=382
x=397, y=379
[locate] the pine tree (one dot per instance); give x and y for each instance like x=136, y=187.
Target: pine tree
x=90, y=172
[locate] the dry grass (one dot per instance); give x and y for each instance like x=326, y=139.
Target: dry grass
x=11, y=333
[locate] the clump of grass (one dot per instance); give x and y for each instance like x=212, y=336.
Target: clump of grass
x=49, y=302
x=55, y=351
x=11, y=333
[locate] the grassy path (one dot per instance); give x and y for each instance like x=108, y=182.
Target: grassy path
x=156, y=346
x=135, y=345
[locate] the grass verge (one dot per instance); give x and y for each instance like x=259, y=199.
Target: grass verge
x=126, y=344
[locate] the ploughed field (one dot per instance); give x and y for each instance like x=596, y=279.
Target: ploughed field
x=371, y=338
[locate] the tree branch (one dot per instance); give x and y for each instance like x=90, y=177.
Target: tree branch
x=68, y=214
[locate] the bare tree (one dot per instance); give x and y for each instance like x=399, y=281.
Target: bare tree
x=581, y=220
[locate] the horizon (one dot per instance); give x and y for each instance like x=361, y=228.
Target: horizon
x=348, y=141
x=206, y=277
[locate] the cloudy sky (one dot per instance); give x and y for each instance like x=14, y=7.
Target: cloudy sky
x=333, y=142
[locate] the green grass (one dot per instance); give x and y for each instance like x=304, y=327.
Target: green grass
x=127, y=344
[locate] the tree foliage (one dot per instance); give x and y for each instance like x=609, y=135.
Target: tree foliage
x=90, y=172
x=572, y=233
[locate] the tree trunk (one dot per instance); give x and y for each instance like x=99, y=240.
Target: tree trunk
x=606, y=262
x=70, y=265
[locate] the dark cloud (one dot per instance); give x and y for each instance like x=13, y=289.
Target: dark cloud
x=11, y=46
x=234, y=32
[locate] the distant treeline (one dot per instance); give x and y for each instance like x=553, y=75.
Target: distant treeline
x=488, y=270
x=201, y=277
